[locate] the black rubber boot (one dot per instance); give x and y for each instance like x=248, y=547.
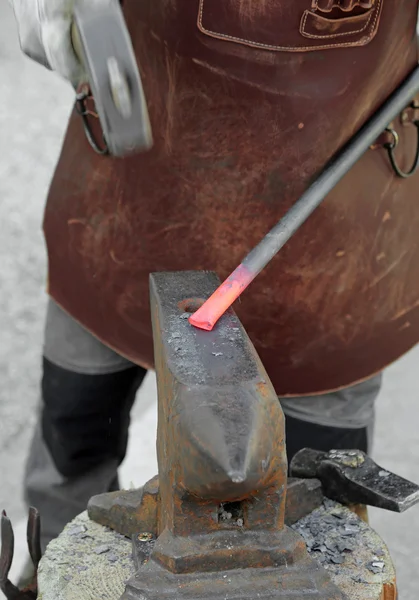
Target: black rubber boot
x=85, y=418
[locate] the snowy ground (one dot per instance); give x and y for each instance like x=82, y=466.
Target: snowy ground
x=34, y=106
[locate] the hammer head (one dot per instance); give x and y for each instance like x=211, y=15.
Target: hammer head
x=103, y=45
x=352, y=477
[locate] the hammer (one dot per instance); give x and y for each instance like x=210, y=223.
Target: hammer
x=103, y=46
x=352, y=477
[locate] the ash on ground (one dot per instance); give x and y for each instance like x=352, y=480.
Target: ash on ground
x=338, y=538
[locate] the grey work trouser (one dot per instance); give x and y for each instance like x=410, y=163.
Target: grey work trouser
x=87, y=394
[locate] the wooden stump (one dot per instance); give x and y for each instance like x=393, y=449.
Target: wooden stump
x=91, y=562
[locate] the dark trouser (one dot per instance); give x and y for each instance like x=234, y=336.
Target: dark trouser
x=82, y=432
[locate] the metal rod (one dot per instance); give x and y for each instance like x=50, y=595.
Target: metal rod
x=262, y=254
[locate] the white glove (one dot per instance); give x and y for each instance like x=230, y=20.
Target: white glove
x=44, y=28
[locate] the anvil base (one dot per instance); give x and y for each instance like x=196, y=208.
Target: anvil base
x=155, y=583
x=237, y=564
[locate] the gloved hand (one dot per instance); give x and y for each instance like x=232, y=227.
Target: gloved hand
x=44, y=28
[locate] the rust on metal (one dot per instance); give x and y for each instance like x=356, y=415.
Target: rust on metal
x=129, y=511
x=221, y=504
x=303, y=496
x=216, y=519
x=222, y=466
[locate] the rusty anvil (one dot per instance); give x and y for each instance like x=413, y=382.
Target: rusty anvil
x=222, y=502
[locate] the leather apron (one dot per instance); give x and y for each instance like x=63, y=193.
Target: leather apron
x=248, y=101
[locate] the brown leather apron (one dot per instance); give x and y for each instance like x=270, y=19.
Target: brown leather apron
x=248, y=101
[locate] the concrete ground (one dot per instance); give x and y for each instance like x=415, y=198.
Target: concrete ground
x=34, y=106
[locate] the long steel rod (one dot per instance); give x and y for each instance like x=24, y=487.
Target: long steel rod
x=209, y=313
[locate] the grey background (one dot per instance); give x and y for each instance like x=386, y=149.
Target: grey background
x=34, y=107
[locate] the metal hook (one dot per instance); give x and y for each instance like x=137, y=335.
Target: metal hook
x=391, y=146
x=83, y=111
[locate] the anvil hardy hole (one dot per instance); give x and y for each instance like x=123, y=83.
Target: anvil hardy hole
x=231, y=513
x=190, y=305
